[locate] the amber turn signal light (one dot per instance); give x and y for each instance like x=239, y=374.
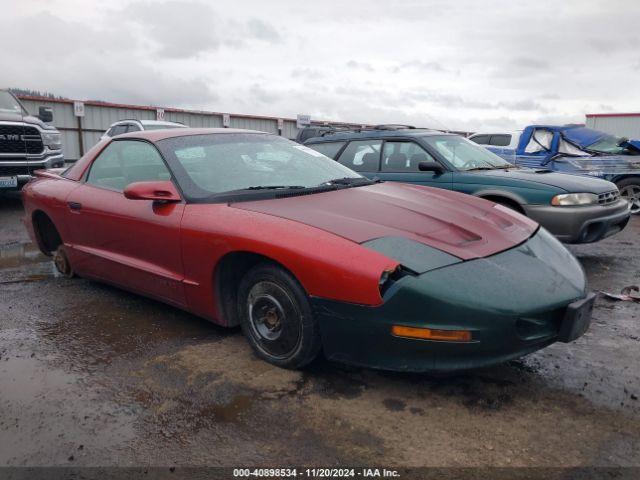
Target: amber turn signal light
x=431, y=334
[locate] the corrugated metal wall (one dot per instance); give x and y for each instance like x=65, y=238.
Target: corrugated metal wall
x=99, y=116
x=622, y=126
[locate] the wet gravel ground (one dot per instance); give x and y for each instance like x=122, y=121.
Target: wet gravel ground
x=92, y=375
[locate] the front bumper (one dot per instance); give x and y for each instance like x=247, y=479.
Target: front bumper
x=514, y=303
x=23, y=168
x=581, y=224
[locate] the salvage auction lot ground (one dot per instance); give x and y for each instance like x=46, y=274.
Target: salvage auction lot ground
x=92, y=375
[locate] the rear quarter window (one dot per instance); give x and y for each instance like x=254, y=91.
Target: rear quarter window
x=481, y=139
x=500, y=140
x=362, y=155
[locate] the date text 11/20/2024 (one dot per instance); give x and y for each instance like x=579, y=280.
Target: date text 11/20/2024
x=316, y=472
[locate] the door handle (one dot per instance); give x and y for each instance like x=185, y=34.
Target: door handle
x=75, y=205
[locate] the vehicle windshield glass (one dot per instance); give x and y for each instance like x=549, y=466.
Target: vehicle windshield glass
x=161, y=127
x=608, y=144
x=206, y=165
x=464, y=154
x=10, y=104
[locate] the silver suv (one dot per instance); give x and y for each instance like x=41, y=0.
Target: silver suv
x=134, y=125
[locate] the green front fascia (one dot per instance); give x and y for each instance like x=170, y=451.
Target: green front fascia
x=512, y=302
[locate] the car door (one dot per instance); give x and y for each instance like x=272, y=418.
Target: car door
x=132, y=243
x=400, y=163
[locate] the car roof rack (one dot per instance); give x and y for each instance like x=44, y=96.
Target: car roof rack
x=328, y=129
x=394, y=126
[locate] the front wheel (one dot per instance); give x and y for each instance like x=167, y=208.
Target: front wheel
x=276, y=317
x=630, y=191
x=61, y=261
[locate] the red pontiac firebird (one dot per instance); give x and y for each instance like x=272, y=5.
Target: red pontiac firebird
x=246, y=228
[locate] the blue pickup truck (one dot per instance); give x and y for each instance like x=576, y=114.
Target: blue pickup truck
x=573, y=149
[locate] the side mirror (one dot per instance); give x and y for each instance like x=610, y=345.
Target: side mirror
x=434, y=167
x=45, y=114
x=157, y=191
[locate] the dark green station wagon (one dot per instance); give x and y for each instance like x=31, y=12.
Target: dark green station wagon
x=576, y=209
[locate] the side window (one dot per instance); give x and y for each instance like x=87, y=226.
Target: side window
x=125, y=162
x=110, y=132
x=403, y=157
x=330, y=149
x=500, y=140
x=133, y=128
x=481, y=139
x=362, y=155
x=540, y=142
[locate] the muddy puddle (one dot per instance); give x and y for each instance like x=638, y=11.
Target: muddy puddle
x=35, y=392
x=91, y=374
x=23, y=262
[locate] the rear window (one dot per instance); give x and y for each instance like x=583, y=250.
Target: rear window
x=119, y=130
x=329, y=149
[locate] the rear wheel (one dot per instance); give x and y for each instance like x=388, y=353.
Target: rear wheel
x=630, y=191
x=276, y=317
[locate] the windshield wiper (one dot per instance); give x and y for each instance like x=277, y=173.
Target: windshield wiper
x=273, y=187
x=481, y=168
x=349, y=181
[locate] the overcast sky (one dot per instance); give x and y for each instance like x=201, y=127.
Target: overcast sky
x=460, y=64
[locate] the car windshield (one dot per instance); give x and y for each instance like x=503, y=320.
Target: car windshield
x=464, y=154
x=206, y=165
x=9, y=104
x=608, y=144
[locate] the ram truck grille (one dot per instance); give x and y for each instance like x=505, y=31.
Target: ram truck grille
x=18, y=140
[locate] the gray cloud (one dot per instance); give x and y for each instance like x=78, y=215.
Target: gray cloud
x=418, y=65
x=263, y=31
x=525, y=105
x=528, y=63
x=187, y=28
x=262, y=95
x=105, y=64
x=308, y=73
x=177, y=28
x=431, y=62
x=354, y=64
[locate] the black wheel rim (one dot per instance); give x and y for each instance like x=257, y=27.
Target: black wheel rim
x=274, y=319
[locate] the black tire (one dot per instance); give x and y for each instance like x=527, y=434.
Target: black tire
x=276, y=317
x=630, y=191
